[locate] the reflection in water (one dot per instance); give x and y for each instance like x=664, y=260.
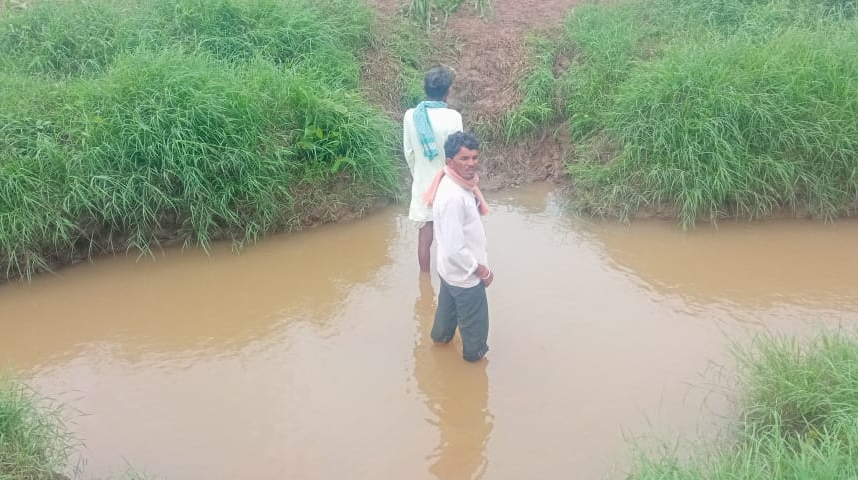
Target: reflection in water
x=215, y=303
x=457, y=393
x=761, y=264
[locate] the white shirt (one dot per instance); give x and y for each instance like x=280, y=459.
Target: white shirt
x=444, y=122
x=459, y=233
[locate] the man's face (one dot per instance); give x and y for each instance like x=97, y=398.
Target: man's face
x=465, y=162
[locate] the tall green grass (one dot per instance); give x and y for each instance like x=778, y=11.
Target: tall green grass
x=181, y=121
x=34, y=442
x=425, y=11
x=796, y=417
x=539, y=102
x=60, y=39
x=708, y=109
x=740, y=128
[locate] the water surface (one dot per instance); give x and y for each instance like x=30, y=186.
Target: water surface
x=307, y=356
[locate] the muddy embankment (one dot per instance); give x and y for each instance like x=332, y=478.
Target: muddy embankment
x=489, y=56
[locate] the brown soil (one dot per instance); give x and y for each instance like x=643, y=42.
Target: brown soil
x=490, y=59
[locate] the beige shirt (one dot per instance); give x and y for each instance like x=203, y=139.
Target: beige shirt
x=459, y=233
x=444, y=122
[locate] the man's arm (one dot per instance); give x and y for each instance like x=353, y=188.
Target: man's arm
x=407, y=147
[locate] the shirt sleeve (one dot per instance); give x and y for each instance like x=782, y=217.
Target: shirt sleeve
x=451, y=216
x=407, y=147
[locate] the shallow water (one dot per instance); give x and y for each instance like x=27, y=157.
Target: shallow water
x=307, y=357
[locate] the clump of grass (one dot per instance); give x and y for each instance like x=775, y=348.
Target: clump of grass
x=322, y=39
x=425, y=11
x=710, y=109
x=738, y=128
x=195, y=122
x=34, y=442
x=796, y=417
x=803, y=387
x=538, y=102
x=77, y=39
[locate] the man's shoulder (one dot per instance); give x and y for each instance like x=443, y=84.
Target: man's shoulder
x=446, y=123
x=448, y=191
x=446, y=112
x=450, y=112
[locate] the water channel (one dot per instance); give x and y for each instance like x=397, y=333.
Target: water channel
x=307, y=356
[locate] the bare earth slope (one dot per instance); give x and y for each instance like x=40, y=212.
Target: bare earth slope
x=491, y=57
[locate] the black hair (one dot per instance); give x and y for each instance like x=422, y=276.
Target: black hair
x=456, y=141
x=437, y=81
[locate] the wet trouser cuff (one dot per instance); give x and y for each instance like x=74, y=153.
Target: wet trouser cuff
x=475, y=357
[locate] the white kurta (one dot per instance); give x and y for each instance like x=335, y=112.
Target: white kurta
x=459, y=233
x=444, y=122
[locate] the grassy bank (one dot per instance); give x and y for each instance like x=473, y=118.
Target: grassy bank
x=797, y=414
x=33, y=441
x=124, y=124
x=704, y=109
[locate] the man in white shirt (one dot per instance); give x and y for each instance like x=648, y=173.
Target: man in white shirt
x=424, y=131
x=457, y=206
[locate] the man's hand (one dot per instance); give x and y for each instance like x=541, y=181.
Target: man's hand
x=485, y=274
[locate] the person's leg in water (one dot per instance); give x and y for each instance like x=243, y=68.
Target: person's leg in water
x=472, y=309
x=424, y=245
x=467, y=309
x=444, y=326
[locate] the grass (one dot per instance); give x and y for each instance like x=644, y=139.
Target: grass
x=33, y=440
x=35, y=443
x=76, y=38
x=797, y=413
x=539, y=103
x=427, y=11
x=182, y=121
x=398, y=62
x=731, y=108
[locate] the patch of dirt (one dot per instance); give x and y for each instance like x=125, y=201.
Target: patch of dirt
x=493, y=53
x=491, y=58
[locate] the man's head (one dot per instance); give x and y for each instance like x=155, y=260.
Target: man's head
x=436, y=83
x=463, y=154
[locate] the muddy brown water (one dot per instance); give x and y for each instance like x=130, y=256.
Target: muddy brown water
x=306, y=356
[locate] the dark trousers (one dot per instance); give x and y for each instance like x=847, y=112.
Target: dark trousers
x=467, y=309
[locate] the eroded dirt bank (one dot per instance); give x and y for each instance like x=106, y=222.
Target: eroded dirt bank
x=489, y=56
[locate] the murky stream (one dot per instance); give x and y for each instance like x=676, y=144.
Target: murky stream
x=307, y=356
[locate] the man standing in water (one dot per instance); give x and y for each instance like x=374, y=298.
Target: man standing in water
x=425, y=129
x=457, y=206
